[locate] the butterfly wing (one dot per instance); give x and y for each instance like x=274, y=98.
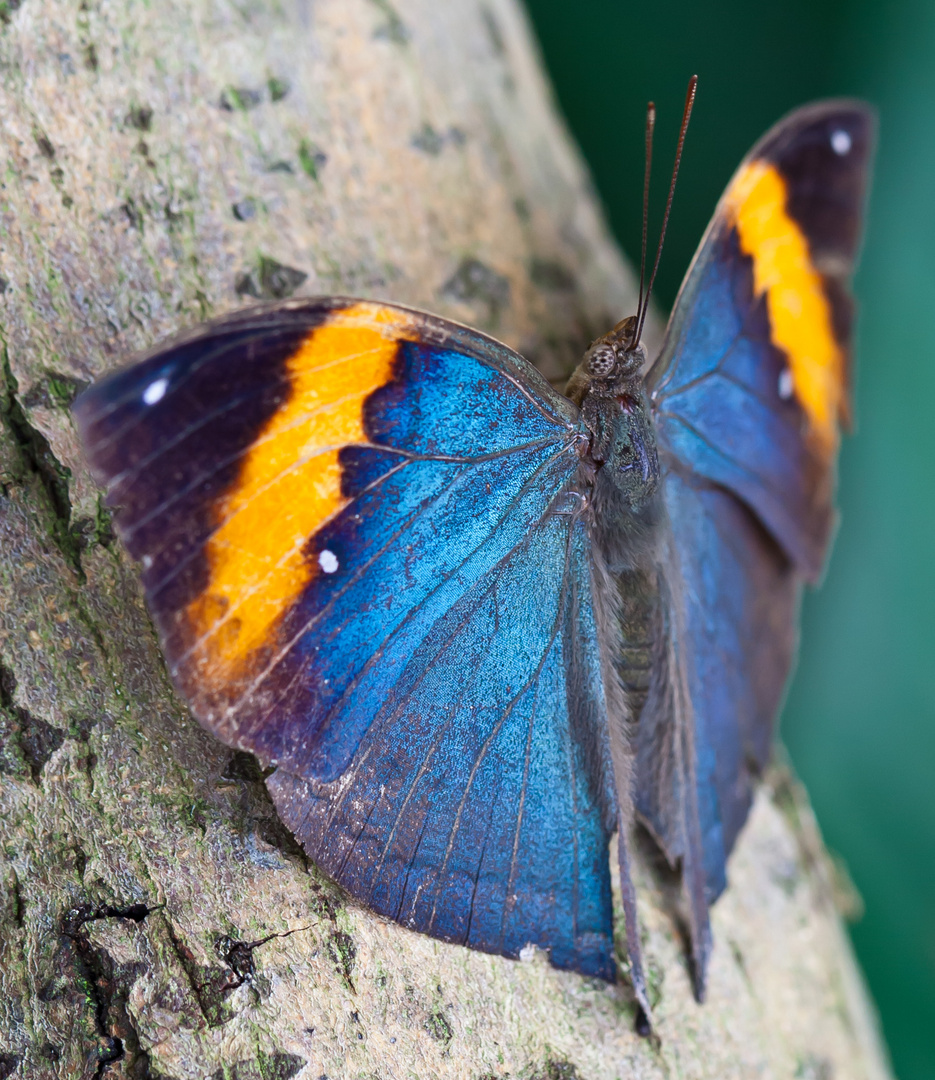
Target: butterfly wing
x=357, y=546
x=731, y=597
x=471, y=810
x=749, y=391
x=753, y=378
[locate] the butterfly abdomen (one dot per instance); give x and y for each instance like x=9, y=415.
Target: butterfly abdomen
x=637, y=614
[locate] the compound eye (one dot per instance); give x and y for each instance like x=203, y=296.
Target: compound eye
x=601, y=361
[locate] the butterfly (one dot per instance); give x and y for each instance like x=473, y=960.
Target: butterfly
x=476, y=625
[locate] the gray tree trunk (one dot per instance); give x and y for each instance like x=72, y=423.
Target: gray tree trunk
x=162, y=162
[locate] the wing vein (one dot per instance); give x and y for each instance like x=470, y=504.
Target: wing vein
x=404, y=622
x=559, y=616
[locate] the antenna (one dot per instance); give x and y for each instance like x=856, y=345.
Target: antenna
x=686, y=116
x=650, y=126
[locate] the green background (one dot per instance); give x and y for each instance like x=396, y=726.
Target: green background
x=860, y=719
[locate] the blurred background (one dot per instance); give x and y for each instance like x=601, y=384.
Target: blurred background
x=860, y=719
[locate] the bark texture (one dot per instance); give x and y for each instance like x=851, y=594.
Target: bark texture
x=162, y=162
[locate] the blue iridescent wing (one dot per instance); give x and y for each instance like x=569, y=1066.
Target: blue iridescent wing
x=748, y=391
x=357, y=546
x=753, y=378
x=470, y=809
x=731, y=599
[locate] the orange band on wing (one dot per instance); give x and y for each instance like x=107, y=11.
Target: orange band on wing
x=799, y=310
x=289, y=483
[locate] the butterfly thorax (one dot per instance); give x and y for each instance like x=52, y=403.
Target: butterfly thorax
x=621, y=457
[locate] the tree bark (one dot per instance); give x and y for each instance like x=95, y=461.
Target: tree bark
x=163, y=162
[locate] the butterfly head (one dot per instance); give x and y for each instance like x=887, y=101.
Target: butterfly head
x=616, y=358
x=613, y=365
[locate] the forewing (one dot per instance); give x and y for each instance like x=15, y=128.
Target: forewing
x=753, y=379
x=355, y=544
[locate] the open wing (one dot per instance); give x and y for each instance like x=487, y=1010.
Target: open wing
x=471, y=810
x=749, y=391
x=356, y=544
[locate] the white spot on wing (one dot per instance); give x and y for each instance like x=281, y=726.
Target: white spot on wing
x=147, y=561
x=786, y=385
x=841, y=142
x=328, y=561
x=155, y=391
